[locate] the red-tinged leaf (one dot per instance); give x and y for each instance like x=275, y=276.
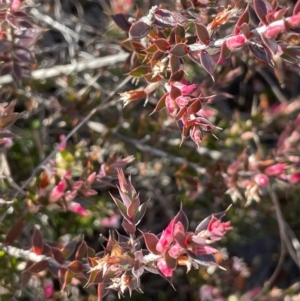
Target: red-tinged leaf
x=245, y=30
x=150, y=79
x=157, y=56
x=69, y=249
x=139, y=30
x=75, y=267
x=15, y=231
x=61, y=275
x=90, y=252
x=261, y=10
x=182, y=101
x=196, y=135
x=128, y=227
x=244, y=18
x=121, y=207
x=272, y=45
x=174, y=63
x=181, y=112
x=67, y=279
x=174, y=92
x=38, y=267
x=162, y=44
x=171, y=105
x=204, y=259
x=194, y=107
x=160, y=104
x=179, y=33
x=140, y=71
x=296, y=9
x=170, y=261
x=57, y=254
x=4, y=45
x=25, y=277
x=151, y=49
x=95, y=278
x=182, y=218
x=140, y=213
x=151, y=241
x=122, y=21
x=224, y=53
x=165, y=17
x=179, y=50
x=37, y=242
x=24, y=55
x=5, y=69
x=133, y=207
x=260, y=53
x=180, y=239
x=81, y=251
x=177, y=76
x=202, y=33
x=208, y=63
x=101, y=291
x=16, y=72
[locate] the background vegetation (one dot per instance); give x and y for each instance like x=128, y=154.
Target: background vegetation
x=78, y=71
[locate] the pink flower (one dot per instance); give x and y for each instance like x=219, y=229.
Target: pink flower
x=295, y=178
x=166, y=238
x=58, y=191
x=6, y=142
x=275, y=170
x=77, y=208
x=217, y=229
x=162, y=266
x=112, y=221
x=185, y=89
x=175, y=250
x=48, y=288
x=261, y=180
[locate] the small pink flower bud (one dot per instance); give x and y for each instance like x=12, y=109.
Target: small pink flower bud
x=111, y=222
x=91, y=178
x=90, y=192
x=6, y=142
x=58, y=191
x=68, y=175
x=294, y=21
x=275, y=170
x=77, y=208
x=233, y=168
x=77, y=185
x=295, y=178
x=261, y=180
x=273, y=31
x=70, y=195
x=63, y=145
x=161, y=264
x=235, y=42
x=48, y=288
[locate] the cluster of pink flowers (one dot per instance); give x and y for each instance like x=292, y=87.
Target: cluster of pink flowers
x=178, y=246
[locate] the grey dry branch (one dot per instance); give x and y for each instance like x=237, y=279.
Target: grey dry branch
x=93, y=63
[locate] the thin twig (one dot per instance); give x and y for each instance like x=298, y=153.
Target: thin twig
x=282, y=226
x=94, y=63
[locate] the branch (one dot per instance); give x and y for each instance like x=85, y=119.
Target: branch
x=94, y=63
x=28, y=255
